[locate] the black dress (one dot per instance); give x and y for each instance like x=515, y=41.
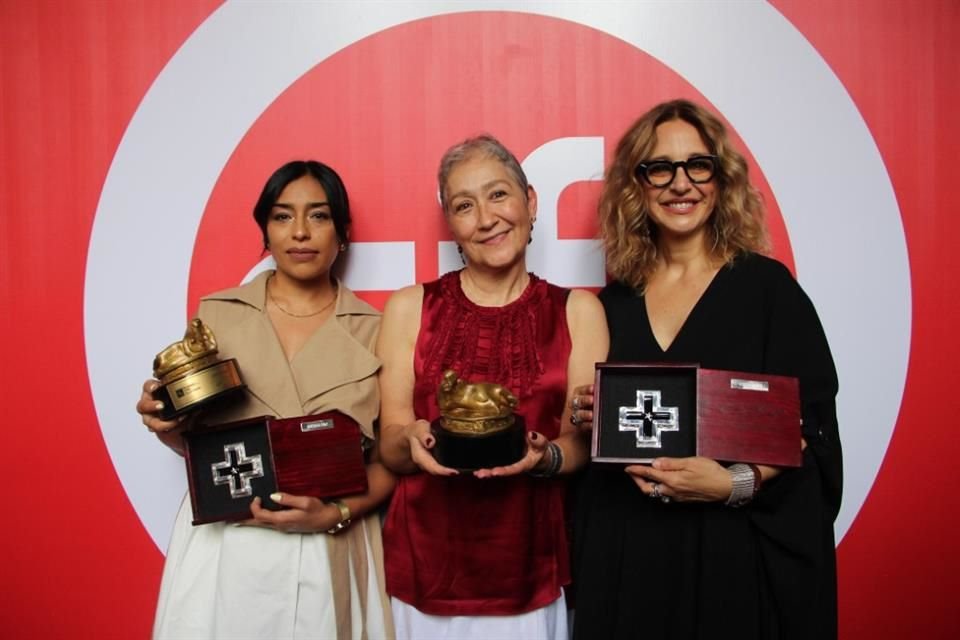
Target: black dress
x=644, y=569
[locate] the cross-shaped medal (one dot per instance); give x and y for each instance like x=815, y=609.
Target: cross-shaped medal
x=648, y=419
x=237, y=470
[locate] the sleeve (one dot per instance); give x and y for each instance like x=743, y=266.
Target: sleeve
x=797, y=346
x=793, y=514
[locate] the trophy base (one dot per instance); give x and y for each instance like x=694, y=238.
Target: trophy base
x=199, y=388
x=472, y=452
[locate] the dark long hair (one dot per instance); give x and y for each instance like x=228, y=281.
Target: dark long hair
x=328, y=179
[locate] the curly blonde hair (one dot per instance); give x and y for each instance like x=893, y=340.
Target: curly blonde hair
x=627, y=232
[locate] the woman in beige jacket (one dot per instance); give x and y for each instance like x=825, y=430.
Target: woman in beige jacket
x=304, y=344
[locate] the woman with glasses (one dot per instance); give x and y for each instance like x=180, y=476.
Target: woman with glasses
x=304, y=342
x=484, y=554
x=689, y=547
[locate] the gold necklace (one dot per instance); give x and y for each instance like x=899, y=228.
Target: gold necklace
x=298, y=315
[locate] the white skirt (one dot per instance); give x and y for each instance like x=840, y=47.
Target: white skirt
x=545, y=623
x=230, y=581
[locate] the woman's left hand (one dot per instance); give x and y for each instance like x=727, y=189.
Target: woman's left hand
x=695, y=479
x=304, y=514
x=536, y=447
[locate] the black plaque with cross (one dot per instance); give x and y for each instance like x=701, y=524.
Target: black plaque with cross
x=648, y=419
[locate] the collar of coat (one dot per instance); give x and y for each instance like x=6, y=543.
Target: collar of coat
x=254, y=294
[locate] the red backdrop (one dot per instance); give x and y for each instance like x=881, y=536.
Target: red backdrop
x=77, y=560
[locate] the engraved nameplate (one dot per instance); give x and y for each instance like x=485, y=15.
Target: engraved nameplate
x=316, y=425
x=749, y=385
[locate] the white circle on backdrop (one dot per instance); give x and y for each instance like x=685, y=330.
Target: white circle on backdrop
x=746, y=58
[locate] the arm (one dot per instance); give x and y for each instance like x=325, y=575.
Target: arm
x=591, y=342
x=404, y=441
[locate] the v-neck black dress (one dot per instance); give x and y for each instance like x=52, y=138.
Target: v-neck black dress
x=645, y=569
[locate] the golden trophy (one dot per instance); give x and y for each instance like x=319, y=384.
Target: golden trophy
x=477, y=428
x=191, y=375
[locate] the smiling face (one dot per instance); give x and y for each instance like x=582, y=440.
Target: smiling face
x=489, y=214
x=301, y=233
x=681, y=209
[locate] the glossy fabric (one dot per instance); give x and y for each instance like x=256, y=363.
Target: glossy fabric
x=645, y=569
x=463, y=546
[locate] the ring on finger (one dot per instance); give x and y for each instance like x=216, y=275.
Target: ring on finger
x=656, y=491
x=575, y=419
x=575, y=403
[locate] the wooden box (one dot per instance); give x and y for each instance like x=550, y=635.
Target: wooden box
x=230, y=464
x=646, y=411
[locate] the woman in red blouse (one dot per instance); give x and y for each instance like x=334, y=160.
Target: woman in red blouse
x=484, y=554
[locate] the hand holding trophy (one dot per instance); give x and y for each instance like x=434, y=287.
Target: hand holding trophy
x=190, y=374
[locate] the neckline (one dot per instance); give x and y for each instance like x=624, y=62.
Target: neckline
x=456, y=287
x=687, y=320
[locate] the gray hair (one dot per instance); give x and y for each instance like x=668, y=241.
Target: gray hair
x=484, y=145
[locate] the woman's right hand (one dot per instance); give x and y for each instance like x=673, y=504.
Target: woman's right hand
x=421, y=442
x=149, y=409
x=581, y=407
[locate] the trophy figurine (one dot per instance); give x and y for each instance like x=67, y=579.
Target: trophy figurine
x=477, y=428
x=191, y=375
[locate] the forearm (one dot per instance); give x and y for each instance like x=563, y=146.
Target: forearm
x=394, y=448
x=575, y=446
x=380, y=484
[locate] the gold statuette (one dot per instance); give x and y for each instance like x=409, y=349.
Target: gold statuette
x=477, y=427
x=190, y=373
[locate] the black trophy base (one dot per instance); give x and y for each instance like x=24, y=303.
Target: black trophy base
x=199, y=389
x=469, y=452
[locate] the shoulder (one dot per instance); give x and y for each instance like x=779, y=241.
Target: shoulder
x=226, y=305
x=761, y=268
x=616, y=289
x=616, y=293
x=404, y=301
x=251, y=293
x=582, y=304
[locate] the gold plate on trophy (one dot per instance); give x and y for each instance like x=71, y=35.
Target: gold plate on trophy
x=191, y=375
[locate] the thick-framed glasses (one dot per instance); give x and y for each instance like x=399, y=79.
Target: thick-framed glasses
x=660, y=173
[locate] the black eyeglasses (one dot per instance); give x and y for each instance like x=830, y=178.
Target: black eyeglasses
x=660, y=173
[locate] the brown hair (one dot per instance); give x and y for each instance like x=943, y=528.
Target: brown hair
x=628, y=234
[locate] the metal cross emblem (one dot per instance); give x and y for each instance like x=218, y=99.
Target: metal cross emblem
x=648, y=419
x=237, y=470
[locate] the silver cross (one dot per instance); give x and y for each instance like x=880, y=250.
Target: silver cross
x=648, y=419
x=237, y=470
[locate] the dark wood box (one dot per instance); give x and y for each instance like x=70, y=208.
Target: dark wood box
x=230, y=464
x=647, y=411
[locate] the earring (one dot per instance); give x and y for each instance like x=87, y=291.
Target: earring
x=460, y=251
x=530, y=237
x=343, y=247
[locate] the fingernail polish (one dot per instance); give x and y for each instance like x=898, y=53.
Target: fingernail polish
x=159, y=406
x=276, y=497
